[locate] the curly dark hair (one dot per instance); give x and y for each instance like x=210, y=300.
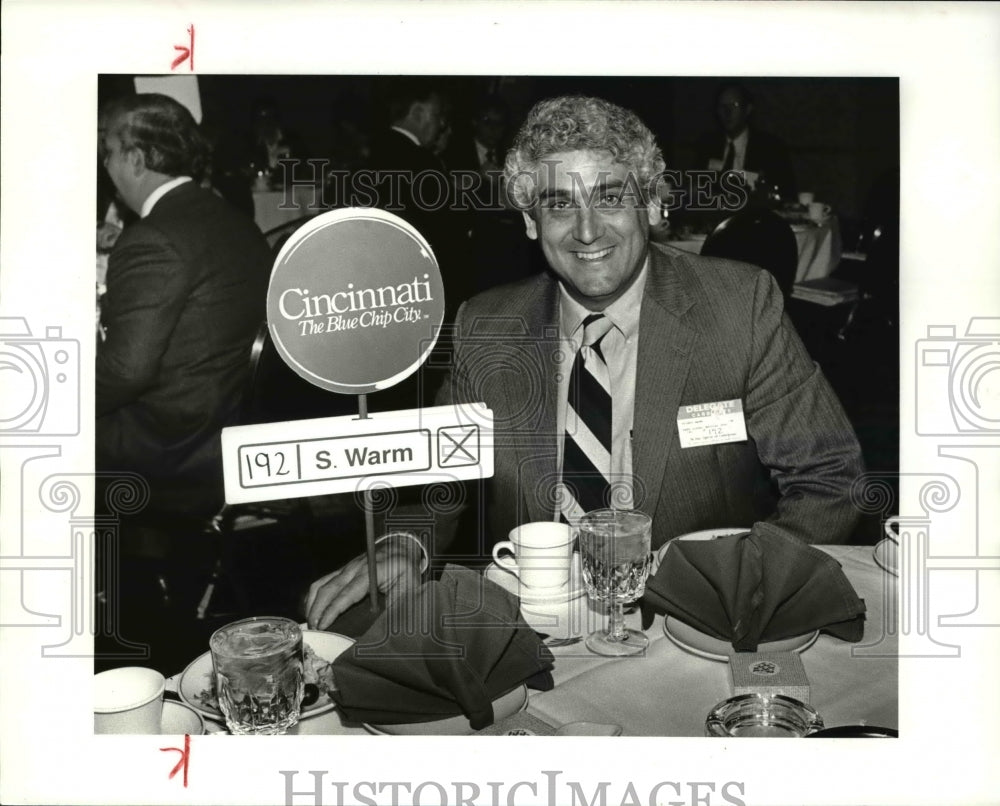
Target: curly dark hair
x=162, y=129
x=580, y=123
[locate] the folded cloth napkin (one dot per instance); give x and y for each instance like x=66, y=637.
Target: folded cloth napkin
x=757, y=587
x=450, y=647
x=358, y=619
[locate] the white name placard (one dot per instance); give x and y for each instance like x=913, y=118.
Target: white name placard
x=711, y=423
x=329, y=455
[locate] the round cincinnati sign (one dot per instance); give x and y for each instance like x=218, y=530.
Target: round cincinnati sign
x=356, y=301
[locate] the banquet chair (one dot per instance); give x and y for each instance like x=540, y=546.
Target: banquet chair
x=273, y=393
x=759, y=237
x=874, y=263
x=277, y=236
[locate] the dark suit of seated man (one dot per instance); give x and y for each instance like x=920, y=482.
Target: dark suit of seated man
x=186, y=288
x=740, y=146
x=677, y=334
x=186, y=292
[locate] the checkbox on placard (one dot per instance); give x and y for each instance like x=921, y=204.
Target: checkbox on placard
x=458, y=445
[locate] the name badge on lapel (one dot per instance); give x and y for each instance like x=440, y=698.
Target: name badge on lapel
x=711, y=423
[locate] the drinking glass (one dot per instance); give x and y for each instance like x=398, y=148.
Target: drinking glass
x=259, y=674
x=614, y=547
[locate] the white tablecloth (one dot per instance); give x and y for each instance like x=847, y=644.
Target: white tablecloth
x=819, y=248
x=669, y=692
x=271, y=208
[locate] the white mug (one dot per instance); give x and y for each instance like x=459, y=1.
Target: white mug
x=128, y=700
x=818, y=211
x=542, y=554
x=806, y=198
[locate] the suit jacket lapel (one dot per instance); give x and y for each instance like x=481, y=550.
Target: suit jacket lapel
x=665, y=346
x=664, y=359
x=536, y=444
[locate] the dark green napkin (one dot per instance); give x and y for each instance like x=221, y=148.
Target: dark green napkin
x=451, y=647
x=753, y=588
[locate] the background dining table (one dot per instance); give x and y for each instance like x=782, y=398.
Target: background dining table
x=819, y=246
x=669, y=692
x=272, y=208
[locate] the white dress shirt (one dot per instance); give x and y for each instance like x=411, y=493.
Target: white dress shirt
x=740, y=148
x=160, y=192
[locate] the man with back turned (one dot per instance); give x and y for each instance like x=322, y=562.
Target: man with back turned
x=186, y=286
x=186, y=290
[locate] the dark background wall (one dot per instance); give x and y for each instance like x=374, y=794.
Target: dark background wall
x=842, y=133
x=843, y=139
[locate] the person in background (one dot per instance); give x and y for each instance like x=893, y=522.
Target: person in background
x=497, y=253
x=411, y=181
x=186, y=286
x=739, y=146
x=402, y=153
x=484, y=143
x=596, y=370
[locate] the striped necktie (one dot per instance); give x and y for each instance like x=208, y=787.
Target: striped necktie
x=587, y=444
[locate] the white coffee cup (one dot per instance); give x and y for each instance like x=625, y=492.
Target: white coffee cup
x=542, y=554
x=806, y=198
x=128, y=700
x=818, y=211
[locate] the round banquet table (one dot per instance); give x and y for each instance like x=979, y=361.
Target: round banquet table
x=669, y=692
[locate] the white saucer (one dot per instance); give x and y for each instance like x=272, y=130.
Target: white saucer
x=574, y=589
x=706, y=646
x=503, y=707
x=179, y=719
x=886, y=555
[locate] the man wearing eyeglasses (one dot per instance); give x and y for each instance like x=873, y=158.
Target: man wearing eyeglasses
x=742, y=147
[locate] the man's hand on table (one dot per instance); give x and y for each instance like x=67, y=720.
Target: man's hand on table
x=400, y=563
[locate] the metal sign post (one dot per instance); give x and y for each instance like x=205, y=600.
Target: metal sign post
x=348, y=286
x=369, y=524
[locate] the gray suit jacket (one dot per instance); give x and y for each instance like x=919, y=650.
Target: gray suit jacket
x=709, y=330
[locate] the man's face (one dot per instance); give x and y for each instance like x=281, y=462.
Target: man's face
x=119, y=162
x=433, y=119
x=733, y=112
x=592, y=224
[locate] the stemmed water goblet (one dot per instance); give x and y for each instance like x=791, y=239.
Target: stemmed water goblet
x=615, y=549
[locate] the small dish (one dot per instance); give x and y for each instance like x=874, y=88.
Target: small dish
x=703, y=534
x=886, y=555
x=504, y=706
x=199, y=676
x=762, y=716
x=711, y=648
x=179, y=719
x=712, y=534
